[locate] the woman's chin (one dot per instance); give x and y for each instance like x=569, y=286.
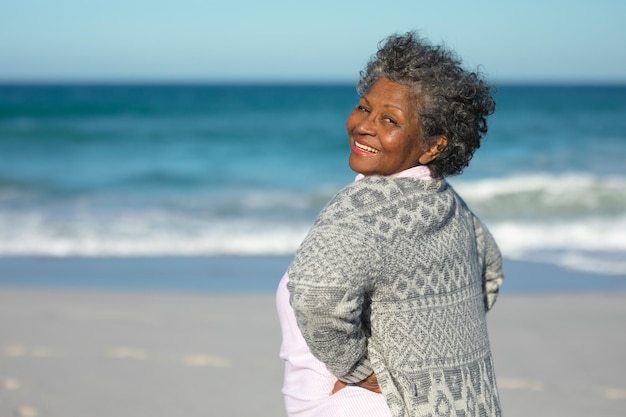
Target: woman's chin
x=361, y=166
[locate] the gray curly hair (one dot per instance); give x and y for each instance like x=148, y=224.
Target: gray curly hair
x=450, y=101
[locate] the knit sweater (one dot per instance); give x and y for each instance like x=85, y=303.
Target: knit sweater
x=395, y=277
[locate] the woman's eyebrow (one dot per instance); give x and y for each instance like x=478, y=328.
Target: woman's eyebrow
x=384, y=105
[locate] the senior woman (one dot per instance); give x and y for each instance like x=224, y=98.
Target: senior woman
x=383, y=308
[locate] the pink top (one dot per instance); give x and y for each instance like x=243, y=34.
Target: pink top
x=308, y=383
x=421, y=171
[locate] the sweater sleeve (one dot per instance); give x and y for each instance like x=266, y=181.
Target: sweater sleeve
x=490, y=261
x=329, y=282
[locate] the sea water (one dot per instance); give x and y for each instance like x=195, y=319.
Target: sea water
x=197, y=170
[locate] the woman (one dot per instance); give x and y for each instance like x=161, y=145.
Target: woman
x=383, y=308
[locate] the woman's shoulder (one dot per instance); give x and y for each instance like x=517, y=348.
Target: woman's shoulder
x=378, y=188
x=374, y=192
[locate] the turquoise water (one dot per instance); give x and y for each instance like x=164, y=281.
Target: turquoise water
x=125, y=171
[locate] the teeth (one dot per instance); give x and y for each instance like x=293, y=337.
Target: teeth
x=365, y=147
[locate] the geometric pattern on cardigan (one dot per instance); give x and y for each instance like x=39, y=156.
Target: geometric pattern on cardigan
x=395, y=277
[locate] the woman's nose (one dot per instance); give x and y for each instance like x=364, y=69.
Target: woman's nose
x=366, y=126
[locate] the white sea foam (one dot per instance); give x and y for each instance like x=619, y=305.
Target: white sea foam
x=575, y=220
x=557, y=184
x=576, y=189
x=147, y=236
x=587, y=263
x=594, y=234
x=577, y=245
x=580, y=245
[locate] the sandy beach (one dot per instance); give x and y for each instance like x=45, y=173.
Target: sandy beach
x=98, y=350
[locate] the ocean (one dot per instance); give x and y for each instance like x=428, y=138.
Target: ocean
x=211, y=170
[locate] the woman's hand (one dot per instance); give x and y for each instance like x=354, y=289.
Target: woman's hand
x=370, y=383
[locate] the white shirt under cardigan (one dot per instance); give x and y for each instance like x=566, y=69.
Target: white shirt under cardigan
x=308, y=383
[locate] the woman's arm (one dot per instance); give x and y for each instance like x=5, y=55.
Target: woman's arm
x=328, y=281
x=491, y=262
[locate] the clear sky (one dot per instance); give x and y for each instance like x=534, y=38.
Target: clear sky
x=294, y=40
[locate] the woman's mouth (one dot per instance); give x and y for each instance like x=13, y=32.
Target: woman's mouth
x=365, y=148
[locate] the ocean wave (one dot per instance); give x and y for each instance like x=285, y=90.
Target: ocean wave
x=588, y=262
x=580, y=245
x=545, y=196
x=592, y=234
x=569, y=220
x=145, y=234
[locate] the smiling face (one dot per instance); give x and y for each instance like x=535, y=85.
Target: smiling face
x=384, y=131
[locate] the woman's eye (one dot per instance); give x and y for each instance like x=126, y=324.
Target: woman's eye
x=390, y=120
x=362, y=108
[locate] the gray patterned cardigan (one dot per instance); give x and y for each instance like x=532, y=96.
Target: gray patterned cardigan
x=395, y=277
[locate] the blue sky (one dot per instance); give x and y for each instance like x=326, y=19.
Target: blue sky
x=291, y=40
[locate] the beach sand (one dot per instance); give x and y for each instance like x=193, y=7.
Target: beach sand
x=92, y=350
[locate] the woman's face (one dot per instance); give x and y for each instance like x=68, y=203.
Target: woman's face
x=384, y=131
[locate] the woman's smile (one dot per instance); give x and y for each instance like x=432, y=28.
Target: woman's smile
x=365, y=149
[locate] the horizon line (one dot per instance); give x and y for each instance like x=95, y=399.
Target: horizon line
x=118, y=81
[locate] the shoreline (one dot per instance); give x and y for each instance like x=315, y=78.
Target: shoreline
x=232, y=274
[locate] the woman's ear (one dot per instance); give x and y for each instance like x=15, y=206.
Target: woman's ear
x=435, y=149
